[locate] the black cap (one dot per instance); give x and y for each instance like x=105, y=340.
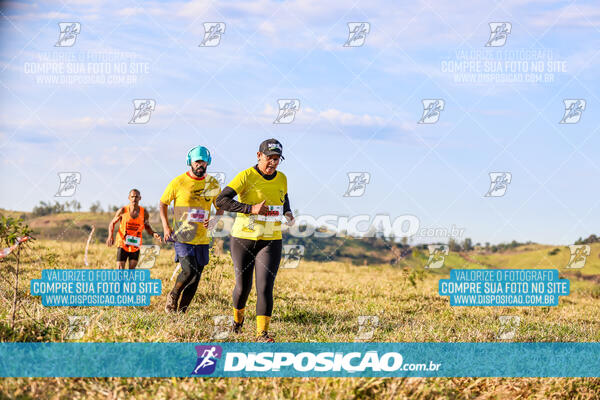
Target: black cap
x=270, y=147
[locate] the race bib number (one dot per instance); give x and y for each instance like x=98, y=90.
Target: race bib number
x=133, y=240
x=197, y=215
x=274, y=214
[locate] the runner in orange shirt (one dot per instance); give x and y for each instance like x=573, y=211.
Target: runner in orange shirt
x=133, y=220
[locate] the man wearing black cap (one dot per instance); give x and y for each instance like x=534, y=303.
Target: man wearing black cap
x=256, y=233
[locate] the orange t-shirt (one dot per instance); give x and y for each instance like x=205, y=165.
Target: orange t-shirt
x=130, y=230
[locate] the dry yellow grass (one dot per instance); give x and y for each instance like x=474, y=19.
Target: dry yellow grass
x=314, y=302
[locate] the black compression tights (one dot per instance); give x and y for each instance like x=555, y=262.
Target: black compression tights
x=248, y=255
x=187, y=282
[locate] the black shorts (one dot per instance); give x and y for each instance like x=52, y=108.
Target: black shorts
x=123, y=255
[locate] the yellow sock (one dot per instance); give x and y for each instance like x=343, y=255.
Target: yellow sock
x=238, y=315
x=262, y=324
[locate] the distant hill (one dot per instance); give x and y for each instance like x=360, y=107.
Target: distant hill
x=75, y=227
x=72, y=226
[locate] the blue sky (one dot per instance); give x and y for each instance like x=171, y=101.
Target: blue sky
x=359, y=107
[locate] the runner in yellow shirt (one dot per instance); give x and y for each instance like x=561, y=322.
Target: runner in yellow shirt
x=256, y=233
x=193, y=194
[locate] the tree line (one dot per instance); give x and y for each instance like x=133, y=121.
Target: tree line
x=48, y=208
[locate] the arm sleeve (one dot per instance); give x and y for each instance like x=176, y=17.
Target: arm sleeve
x=226, y=202
x=286, y=204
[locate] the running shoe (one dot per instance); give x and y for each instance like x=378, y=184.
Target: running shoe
x=171, y=305
x=237, y=326
x=265, y=337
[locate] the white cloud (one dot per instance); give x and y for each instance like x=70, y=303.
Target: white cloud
x=131, y=11
x=333, y=120
x=14, y=5
x=44, y=16
x=571, y=15
x=346, y=119
x=62, y=126
x=190, y=9
x=309, y=23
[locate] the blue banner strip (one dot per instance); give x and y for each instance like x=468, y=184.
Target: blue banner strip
x=504, y=287
x=95, y=287
x=226, y=359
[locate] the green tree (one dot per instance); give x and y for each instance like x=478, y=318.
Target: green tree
x=453, y=245
x=467, y=244
x=96, y=207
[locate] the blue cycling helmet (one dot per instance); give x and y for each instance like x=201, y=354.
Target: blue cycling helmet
x=198, y=153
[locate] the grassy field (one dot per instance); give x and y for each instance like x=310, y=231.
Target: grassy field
x=314, y=302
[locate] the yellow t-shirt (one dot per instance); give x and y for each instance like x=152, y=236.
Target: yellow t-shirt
x=193, y=199
x=252, y=188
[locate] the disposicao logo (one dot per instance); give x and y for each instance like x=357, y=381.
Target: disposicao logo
x=308, y=361
x=305, y=362
x=207, y=359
